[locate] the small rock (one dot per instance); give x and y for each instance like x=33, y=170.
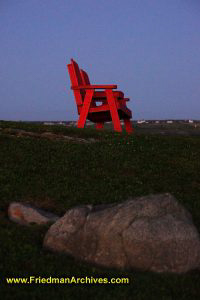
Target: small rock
x=151, y=233
x=49, y=135
x=26, y=214
x=13, y=131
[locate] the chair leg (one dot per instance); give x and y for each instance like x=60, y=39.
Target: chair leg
x=113, y=110
x=99, y=125
x=128, y=125
x=85, y=108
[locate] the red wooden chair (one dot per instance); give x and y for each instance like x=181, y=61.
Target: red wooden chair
x=113, y=104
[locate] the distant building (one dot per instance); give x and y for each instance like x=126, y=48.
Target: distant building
x=169, y=122
x=89, y=123
x=48, y=123
x=72, y=124
x=191, y=121
x=141, y=121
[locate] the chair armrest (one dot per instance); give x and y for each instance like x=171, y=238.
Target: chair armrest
x=123, y=99
x=95, y=86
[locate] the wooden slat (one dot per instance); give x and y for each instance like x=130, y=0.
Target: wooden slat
x=95, y=86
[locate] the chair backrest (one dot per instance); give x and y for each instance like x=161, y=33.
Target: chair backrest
x=85, y=77
x=76, y=80
x=86, y=81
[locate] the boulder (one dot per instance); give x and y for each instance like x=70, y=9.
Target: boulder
x=26, y=214
x=152, y=233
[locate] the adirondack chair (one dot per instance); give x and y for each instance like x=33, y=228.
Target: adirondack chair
x=113, y=104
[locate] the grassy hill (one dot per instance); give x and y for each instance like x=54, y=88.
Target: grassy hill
x=57, y=174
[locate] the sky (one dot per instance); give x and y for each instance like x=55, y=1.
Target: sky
x=149, y=48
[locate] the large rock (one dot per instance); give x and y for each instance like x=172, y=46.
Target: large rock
x=26, y=214
x=153, y=233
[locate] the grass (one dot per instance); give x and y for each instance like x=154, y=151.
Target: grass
x=57, y=175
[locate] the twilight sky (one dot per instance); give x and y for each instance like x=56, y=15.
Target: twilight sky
x=149, y=48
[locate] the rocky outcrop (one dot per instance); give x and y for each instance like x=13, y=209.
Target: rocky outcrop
x=153, y=233
x=26, y=214
x=47, y=135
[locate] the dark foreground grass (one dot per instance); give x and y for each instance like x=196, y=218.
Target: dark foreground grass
x=57, y=175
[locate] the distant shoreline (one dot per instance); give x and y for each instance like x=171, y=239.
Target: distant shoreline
x=139, y=121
